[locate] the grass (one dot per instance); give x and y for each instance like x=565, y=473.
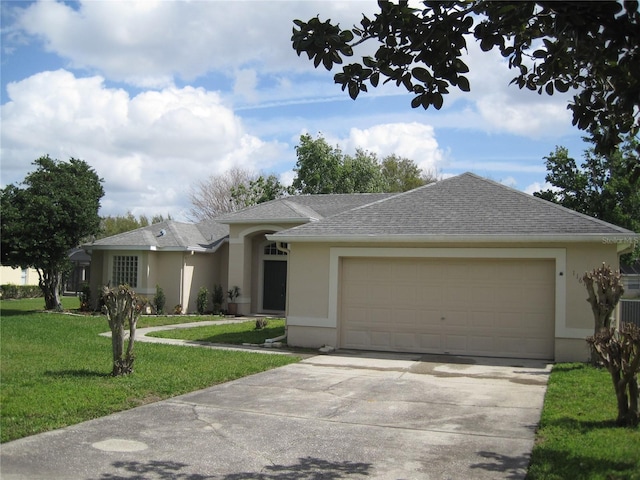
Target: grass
x=577, y=438
x=55, y=369
x=235, y=333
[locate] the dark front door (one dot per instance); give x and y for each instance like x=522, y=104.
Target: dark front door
x=275, y=285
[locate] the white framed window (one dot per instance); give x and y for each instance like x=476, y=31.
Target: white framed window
x=272, y=249
x=125, y=270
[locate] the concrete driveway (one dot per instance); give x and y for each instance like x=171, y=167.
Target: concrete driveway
x=345, y=415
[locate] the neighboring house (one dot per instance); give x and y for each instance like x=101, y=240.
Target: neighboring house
x=462, y=266
x=631, y=279
x=18, y=276
x=80, y=272
x=79, y=275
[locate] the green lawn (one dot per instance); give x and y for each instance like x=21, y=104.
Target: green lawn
x=235, y=333
x=577, y=438
x=55, y=368
x=55, y=372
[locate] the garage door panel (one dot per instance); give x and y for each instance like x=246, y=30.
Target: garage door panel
x=455, y=319
x=500, y=307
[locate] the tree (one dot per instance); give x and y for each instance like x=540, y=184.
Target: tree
x=113, y=225
x=601, y=186
x=619, y=352
x=122, y=307
x=590, y=47
x=213, y=196
x=324, y=169
x=605, y=289
x=360, y=174
x=617, y=349
x=401, y=174
x=54, y=210
x=318, y=166
x=260, y=190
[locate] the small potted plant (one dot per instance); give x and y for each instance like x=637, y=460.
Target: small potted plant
x=232, y=306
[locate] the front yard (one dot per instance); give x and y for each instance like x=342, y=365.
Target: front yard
x=55, y=368
x=55, y=372
x=577, y=438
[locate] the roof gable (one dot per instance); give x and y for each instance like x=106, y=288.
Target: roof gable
x=465, y=205
x=169, y=235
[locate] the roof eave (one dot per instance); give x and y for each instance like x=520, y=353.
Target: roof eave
x=142, y=248
x=269, y=220
x=624, y=242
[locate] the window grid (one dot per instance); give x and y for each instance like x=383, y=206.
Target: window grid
x=272, y=249
x=125, y=270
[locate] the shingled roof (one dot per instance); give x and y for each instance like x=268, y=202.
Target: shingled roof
x=168, y=235
x=301, y=208
x=465, y=207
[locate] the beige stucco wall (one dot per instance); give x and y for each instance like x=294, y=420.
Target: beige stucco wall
x=314, y=293
x=244, y=255
x=14, y=276
x=179, y=274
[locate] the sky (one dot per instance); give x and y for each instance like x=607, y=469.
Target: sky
x=158, y=96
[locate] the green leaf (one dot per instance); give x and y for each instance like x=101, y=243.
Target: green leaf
x=561, y=86
x=421, y=74
x=374, y=79
x=353, y=90
x=369, y=62
x=549, y=88
x=463, y=84
x=346, y=36
x=437, y=101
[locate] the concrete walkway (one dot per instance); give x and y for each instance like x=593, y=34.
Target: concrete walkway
x=346, y=415
x=142, y=336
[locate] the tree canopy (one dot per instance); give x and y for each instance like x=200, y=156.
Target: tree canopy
x=260, y=190
x=600, y=186
x=113, y=225
x=54, y=209
x=322, y=168
x=592, y=48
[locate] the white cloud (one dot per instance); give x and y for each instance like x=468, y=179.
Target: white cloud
x=247, y=44
x=537, y=186
x=509, y=182
x=506, y=108
x=149, y=149
x=415, y=141
x=148, y=43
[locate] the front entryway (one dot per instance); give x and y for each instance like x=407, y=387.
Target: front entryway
x=275, y=285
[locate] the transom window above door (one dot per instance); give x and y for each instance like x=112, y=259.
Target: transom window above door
x=272, y=249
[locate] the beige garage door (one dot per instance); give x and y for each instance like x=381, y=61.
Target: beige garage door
x=487, y=307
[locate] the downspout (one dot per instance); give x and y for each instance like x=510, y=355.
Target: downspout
x=280, y=246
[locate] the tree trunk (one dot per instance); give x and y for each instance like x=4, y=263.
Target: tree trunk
x=634, y=414
x=49, y=282
x=620, y=386
x=121, y=307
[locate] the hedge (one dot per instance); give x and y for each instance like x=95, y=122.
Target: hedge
x=10, y=291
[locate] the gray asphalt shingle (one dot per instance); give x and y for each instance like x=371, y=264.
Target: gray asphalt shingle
x=168, y=234
x=463, y=205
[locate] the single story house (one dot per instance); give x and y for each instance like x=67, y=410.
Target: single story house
x=464, y=266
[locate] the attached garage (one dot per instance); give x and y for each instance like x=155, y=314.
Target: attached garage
x=463, y=266
x=461, y=306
